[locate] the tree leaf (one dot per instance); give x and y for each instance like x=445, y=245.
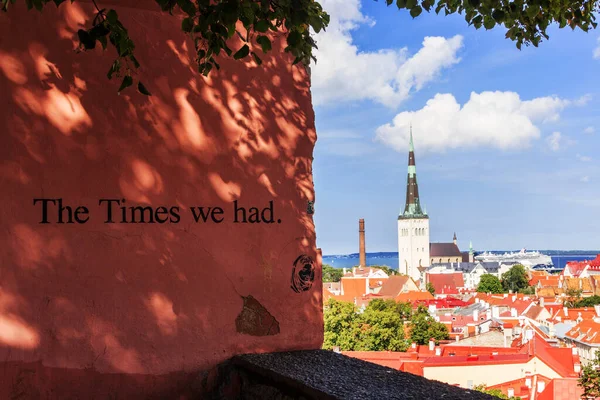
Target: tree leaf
x=264, y=42
x=127, y=81
x=488, y=22
x=256, y=58
x=112, y=17
x=187, y=24
x=416, y=11
x=261, y=26
x=294, y=38
x=498, y=15
x=86, y=39
x=241, y=53
x=142, y=89
x=103, y=41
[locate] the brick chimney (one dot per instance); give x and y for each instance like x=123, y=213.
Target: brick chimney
x=361, y=243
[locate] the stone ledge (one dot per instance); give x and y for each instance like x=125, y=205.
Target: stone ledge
x=325, y=375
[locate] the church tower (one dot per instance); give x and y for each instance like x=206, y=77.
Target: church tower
x=413, y=225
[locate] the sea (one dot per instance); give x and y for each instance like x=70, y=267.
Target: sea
x=390, y=259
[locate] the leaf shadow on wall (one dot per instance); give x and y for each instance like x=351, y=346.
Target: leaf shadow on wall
x=137, y=309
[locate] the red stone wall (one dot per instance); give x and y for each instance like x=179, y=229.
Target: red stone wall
x=136, y=309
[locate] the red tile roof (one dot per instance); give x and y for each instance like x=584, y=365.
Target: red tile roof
x=413, y=297
x=575, y=268
x=353, y=287
x=476, y=360
x=520, y=385
x=414, y=367
x=443, y=283
x=533, y=312
x=561, y=389
x=587, y=331
x=393, y=285
x=572, y=314
x=448, y=302
x=560, y=359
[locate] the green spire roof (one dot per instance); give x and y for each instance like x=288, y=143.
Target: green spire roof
x=412, y=208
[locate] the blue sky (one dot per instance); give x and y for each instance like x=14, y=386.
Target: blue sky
x=507, y=142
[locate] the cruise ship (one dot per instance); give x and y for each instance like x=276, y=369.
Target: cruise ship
x=530, y=259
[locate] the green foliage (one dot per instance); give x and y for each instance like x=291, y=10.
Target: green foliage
x=527, y=290
x=590, y=379
x=424, y=327
x=379, y=328
x=331, y=274
x=573, y=296
x=430, y=288
x=587, y=302
x=489, y=284
x=210, y=24
x=341, y=327
x=525, y=21
x=494, y=392
x=515, y=278
x=385, y=269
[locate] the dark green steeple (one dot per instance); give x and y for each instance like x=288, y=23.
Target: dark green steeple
x=412, y=206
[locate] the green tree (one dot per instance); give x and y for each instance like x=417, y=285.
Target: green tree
x=430, y=288
x=588, y=302
x=331, y=274
x=573, y=296
x=489, y=284
x=341, y=328
x=515, y=278
x=424, y=327
x=590, y=379
x=527, y=290
x=494, y=392
x=381, y=328
x=386, y=269
x=212, y=23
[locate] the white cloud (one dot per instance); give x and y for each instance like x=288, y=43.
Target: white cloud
x=589, y=130
x=554, y=141
x=583, y=158
x=585, y=179
x=343, y=73
x=597, y=51
x=488, y=119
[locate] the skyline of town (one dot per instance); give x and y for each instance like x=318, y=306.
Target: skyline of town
x=516, y=173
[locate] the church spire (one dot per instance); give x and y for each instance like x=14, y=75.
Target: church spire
x=412, y=206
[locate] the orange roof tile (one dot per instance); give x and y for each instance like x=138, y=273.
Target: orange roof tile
x=584, y=284
x=476, y=360
x=561, y=389
x=520, y=385
x=414, y=367
x=587, y=331
x=393, y=285
x=411, y=297
x=353, y=287
x=533, y=312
